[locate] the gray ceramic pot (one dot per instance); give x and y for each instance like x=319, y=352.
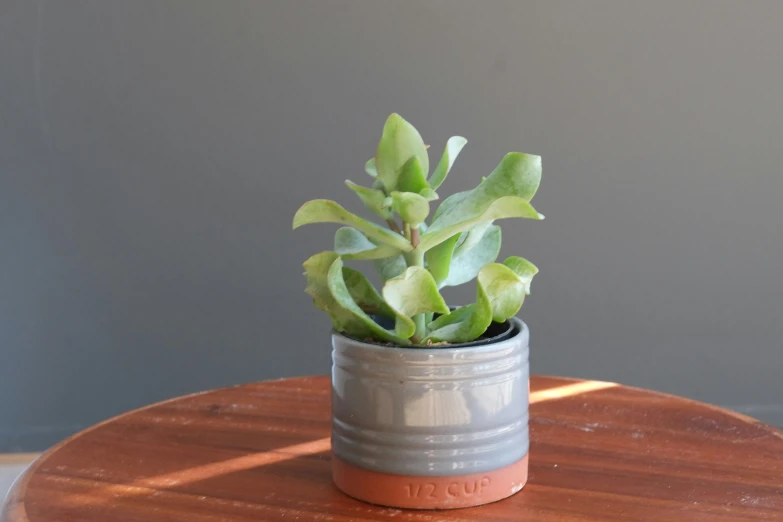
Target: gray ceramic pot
x=430, y=428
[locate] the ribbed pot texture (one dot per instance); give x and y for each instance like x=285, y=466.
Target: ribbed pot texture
x=433, y=428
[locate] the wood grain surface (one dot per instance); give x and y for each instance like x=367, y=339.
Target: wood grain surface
x=260, y=452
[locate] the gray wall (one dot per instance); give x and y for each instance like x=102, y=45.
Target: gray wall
x=152, y=154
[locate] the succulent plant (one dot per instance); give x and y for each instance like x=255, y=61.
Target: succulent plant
x=416, y=259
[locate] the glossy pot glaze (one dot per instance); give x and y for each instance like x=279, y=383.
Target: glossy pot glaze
x=430, y=428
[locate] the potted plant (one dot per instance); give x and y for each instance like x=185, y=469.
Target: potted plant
x=429, y=402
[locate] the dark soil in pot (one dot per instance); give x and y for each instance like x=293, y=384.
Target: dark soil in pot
x=496, y=332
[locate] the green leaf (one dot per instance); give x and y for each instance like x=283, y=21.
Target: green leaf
x=344, y=320
x=316, y=269
x=439, y=259
x=412, y=177
x=506, y=291
x=365, y=295
x=468, y=240
x=399, y=142
x=413, y=208
x=412, y=293
x=500, y=292
x=325, y=211
x=372, y=199
x=353, y=320
x=503, y=194
x=369, y=168
x=479, y=247
x=464, y=324
x=452, y=318
x=390, y=267
x=453, y=148
x=349, y=243
x=523, y=268
x=428, y=194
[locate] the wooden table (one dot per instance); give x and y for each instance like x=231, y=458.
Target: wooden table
x=260, y=452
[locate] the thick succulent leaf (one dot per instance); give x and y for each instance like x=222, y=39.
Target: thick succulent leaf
x=369, y=168
x=412, y=177
x=412, y=208
x=413, y=292
x=365, y=295
x=349, y=243
x=372, y=199
x=503, y=194
x=439, y=259
x=471, y=238
x=317, y=270
x=479, y=247
x=359, y=324
x=325, y=211
x=453, y=148
x=500, y=292
x=390, y=267
x=399, y=142
x=428, y=194
x=464, y=324
x=523, y=268
x=453, y=317
x=506, y=291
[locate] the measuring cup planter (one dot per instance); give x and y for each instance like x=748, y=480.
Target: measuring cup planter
x=431, y=428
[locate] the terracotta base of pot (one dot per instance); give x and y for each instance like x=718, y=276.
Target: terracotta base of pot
x=457, y=491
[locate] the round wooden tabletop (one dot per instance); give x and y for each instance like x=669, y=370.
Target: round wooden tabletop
x=599, y=451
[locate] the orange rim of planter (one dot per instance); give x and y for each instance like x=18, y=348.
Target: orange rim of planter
x=457, y=491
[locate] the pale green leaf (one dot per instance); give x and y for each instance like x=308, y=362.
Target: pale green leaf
x=325, y=211
x=399, y=142
x=365, y=295
x=360, y=324
x=316, y=270
x=452, y=318
x=349, y=243
x=503, y=194
x=464, y=324
x=412, y=208
x=500, y=292
x=413, y=292
x=479, y=247
x=412, y=178
x=390, y=267
x=471, y=238
x=428, y=194
x=504, y=288
x=523, y=268
x=439, y=259
x=344, y=320
x=452, y=150
x=369, y=168
x=372, y=198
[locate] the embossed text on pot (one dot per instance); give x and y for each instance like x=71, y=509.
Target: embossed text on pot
x=431, y=412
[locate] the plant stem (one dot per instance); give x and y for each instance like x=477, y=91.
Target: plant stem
x=407, y=229
x=416, y=258
x=415, y=234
